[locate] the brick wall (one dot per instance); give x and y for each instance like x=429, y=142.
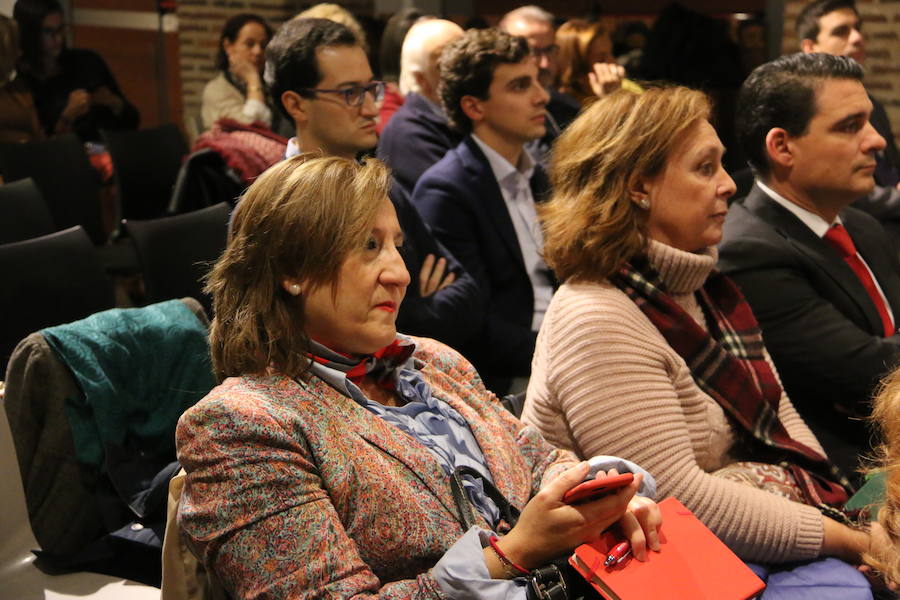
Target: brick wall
x=881, y=20
x=200, y=24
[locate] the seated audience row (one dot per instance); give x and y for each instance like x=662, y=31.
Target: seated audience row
x=646, y=352
x=328, y=421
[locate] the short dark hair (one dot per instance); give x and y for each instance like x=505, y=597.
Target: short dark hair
x=392, y=42
x=29, y=16
x=291, y=62
x=782, y=93
x=807, y=26
x=230, y=32
x=467, y=68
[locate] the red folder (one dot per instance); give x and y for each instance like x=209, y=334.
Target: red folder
x=692, y=564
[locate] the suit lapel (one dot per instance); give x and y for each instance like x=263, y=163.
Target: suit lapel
x=816, y=249
x=387, y=438
x=489, y=197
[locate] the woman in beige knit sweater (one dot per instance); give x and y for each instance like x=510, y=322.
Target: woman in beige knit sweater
x=647, y=352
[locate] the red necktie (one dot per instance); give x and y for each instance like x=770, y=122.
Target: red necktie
x=840, y=240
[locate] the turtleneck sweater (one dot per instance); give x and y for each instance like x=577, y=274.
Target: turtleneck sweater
x=605, y=381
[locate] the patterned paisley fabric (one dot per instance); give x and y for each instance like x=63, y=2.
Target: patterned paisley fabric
x=296, y=491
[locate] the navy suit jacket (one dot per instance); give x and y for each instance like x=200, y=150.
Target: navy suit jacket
x=452, y=314
x=818, y=322
x=461, y=200
x=414, y=139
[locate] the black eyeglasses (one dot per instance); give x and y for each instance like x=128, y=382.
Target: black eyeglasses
x=355, y=95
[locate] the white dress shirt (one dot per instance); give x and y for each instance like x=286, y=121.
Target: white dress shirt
x=820, y=227
x=515, y=186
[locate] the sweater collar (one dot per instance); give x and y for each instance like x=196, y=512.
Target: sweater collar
x=682, y=272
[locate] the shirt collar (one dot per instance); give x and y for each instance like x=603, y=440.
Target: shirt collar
x=292, y=149
x=501, y=167
x=337, y=378
x=817, y=224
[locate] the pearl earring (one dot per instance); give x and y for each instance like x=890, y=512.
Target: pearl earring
x=294, y=289
x=644, y=203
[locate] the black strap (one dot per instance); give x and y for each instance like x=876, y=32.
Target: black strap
x=554, y=581
x=508, y=512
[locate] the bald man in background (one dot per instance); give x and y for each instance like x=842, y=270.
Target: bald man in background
x=418, y=135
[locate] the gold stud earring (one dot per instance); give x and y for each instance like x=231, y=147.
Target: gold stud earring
x=294, y=289
x=644, y=203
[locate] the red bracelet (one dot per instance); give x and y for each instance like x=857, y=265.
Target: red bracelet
x=509, y=566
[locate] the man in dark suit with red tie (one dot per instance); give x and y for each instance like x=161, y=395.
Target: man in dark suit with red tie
x=822, y=278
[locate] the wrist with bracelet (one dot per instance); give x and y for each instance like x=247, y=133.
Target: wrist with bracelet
x=511, y=568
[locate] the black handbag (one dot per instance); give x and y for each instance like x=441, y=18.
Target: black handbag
x=556, y=580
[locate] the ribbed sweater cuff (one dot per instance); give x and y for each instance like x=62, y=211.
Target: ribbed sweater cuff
x=810, y=535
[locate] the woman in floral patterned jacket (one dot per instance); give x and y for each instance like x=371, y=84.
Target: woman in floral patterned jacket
x=320, y=466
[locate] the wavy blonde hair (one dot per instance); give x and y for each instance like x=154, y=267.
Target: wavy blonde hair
x=299, y=220
x=591, y=227
x=886, y=419
x=338, y=14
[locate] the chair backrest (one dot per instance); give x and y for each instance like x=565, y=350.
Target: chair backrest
x=145, y=164
x=63, y=174
x=204, y=180
x=23, y=212
x=47, y=281
x=175, y=252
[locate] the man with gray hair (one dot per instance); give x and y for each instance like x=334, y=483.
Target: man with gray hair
x=418, y=135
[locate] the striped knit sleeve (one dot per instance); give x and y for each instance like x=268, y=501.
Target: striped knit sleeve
x=612, y=385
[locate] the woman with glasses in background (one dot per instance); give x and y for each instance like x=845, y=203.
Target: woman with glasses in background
x=73, y=89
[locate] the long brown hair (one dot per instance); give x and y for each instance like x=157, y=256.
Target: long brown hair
x=300, y=220
x=591, y=227
x=574, y=38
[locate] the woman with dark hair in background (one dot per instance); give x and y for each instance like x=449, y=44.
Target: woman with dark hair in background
x=73, y=89
x=18, y=118
x=237, y=92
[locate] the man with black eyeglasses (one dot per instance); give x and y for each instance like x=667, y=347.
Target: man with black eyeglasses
x=320, y=77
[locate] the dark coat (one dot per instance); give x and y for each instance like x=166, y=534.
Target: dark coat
x=461, y=200
x=819, y=324
x=414, y=139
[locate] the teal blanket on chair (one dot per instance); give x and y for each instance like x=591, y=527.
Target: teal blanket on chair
x=138, y=369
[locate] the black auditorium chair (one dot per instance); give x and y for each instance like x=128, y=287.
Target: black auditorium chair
x=47, y=281
x=176, y=252
x=204, y=180
x=145, y=164
x=23, y=212
x=63, y=174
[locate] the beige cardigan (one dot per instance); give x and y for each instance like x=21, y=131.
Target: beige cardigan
x=221, y=99
x=604, y=381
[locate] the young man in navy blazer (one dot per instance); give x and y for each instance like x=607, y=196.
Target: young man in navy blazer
x=321, y=79
x=480, y=198
x=820, y=276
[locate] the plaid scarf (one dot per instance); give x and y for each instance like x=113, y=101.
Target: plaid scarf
x=728, y=363
x=380, y=366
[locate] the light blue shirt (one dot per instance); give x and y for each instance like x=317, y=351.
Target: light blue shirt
x=461, y=572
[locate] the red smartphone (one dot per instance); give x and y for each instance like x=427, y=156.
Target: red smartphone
x=595, y=488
